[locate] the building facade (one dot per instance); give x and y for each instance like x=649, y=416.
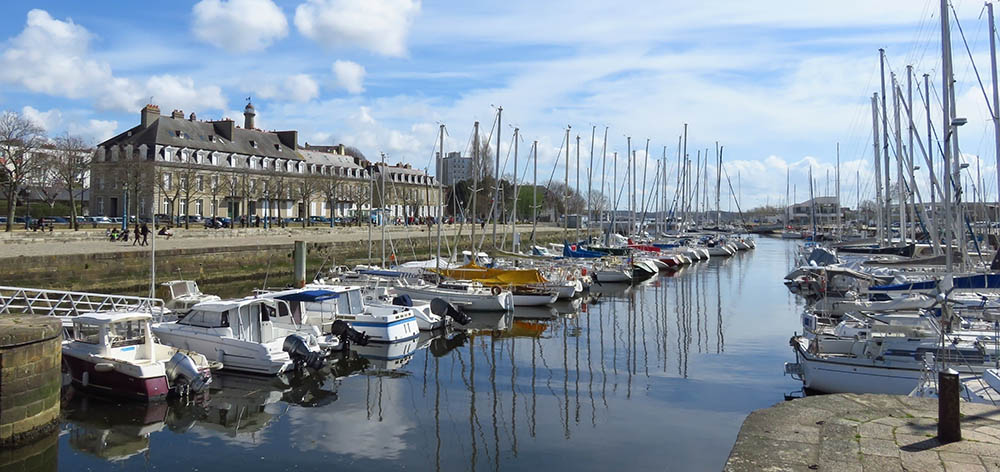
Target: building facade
x=826, y=211
x=170, y=165
x=454, y=168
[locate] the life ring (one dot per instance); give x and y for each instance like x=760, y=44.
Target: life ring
x=495, y=290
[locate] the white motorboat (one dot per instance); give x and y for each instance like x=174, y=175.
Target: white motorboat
x=241, y=335
x=878, y=358
x=114, y=353
x=527, y=296
x=323, y=305
x=427, y=320
x=466, y=296
x=185, y=294
x=644, y=268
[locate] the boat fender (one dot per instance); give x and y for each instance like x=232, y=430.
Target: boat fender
x=442, y=308
x=495, y=290
x=85, y=379
x=296, y=348
x=346, y=333
x=104, y=367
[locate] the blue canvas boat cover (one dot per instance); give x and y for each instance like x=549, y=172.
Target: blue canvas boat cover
x=309, y=296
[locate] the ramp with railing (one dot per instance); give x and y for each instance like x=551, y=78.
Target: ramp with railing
x=22, y=300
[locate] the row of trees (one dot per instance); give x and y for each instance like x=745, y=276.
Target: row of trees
x=30, y=159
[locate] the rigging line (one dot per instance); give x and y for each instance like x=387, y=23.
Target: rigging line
x=973, y=62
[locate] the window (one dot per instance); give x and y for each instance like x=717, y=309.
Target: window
x=167, y=181
x=206, y=319
x=215, y=181
x=126, y=333
x=199, y=206
x=200, y=182
x=253, y=144
x=211, y=138
x=100, y=205
x=277, y=147
x=87, y=333
x=177, y=134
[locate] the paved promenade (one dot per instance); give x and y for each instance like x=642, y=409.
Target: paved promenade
x=849, y=433
x=62, y=242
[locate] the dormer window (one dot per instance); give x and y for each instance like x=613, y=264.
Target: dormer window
x=277, y=147
x=253, y=144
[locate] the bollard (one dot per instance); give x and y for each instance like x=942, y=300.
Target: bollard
x=949, y=428
x=300, y=263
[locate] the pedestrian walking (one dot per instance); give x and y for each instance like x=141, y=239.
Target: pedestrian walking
x=145, y=234
x=135, y=239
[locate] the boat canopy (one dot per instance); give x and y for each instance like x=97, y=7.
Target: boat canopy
x=476, y=273
x=309, y=296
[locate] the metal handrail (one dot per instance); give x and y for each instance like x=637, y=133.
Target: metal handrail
x=23, y=300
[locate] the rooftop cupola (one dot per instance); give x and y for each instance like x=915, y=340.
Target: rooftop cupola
x=248, y=116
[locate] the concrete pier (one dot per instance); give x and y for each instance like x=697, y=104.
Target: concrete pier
x=30, y=377
x=847, y=432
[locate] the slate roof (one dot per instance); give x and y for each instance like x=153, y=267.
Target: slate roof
x=205, y=135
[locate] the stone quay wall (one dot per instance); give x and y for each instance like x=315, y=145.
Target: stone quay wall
x=30, y=377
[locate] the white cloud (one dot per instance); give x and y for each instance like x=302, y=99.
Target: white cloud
x=301, y=88
x=93, y=130
x=239, y=25
x=349, y=75
x=50, y=56
x=380, y=26
x=47, y=120
x=180, y=92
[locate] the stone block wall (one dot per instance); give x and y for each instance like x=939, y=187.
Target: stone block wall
x=30, y=377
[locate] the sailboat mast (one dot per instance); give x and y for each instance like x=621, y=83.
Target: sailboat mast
x=475, y=182
x=381, y=204
x=590, y=180
x=946, y=129
x=604, y=168
x=513, y=240
x=901, y=197
x=645, y=168
x=630, y=164
x=496, y=180
x=837, y=187
x=614, y=196
x=879, y=233
x=885, y=152
x=718, y=185
x=566, y=194
x=440, y=199
x=996, y=91
x=534, y=192
x=578, y=185
x=909, y=148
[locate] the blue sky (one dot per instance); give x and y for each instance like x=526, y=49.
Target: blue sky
x=778, y=83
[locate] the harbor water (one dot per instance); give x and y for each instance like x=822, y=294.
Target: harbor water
x=657, y=376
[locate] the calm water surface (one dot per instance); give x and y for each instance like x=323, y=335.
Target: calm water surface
x=653, y=377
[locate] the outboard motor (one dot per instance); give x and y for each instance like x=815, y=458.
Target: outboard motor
x=442, y=308
x=402, y=300
x=346, y=332
x=180, y=366
x=297, y=349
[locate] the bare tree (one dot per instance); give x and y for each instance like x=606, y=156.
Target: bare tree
x=280, y=193
x=331, y=188
x=19, y=139
x=360, y=195
x=71, y=163
x=215, y=189
x=44, y=181
x=187, y=185
x=169, y=186
x=231, y=188
x=304, y=191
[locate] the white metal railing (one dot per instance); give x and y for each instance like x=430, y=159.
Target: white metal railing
x=21, y=300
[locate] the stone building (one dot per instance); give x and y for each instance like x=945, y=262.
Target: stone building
x=172, y=165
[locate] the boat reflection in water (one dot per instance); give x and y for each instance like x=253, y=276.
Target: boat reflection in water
x=626, y=377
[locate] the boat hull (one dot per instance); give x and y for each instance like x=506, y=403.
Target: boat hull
x=115, y=383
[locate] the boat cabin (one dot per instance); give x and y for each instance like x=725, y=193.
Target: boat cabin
x=247, y=319
x=125, y=335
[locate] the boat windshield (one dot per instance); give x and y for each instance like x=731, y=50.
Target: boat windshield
x=87, y=333
x=126, y=333
x=349, y=303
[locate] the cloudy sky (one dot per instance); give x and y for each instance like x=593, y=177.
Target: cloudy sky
x=778, y=83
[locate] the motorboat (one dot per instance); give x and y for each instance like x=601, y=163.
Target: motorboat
x=240, y=334
x=467, y=296
x=323, y=305
x=644, y=269
x=878, y=357
x=114, y=353
x=185, y=294
x=531, y=296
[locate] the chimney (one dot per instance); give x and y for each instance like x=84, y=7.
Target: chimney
x=340, y=150
x=148, y=115
x=288, y=138
x=248, y=115
x=224, y=128
x=192, y=117
x=177, y=114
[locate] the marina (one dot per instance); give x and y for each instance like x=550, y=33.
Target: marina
x=502, y=392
